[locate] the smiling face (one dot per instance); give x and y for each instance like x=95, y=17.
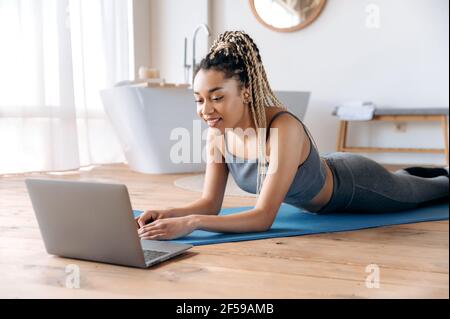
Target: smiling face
x=220, y=101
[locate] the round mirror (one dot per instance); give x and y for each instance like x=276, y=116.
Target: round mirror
x=286, y=15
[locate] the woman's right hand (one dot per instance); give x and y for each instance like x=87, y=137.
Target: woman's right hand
x=149, y=216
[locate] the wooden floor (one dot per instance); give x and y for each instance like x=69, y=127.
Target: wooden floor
x=413, y=259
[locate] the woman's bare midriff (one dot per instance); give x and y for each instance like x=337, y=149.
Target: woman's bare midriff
x=324, y=196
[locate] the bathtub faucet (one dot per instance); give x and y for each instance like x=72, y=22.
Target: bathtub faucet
x=208, y=33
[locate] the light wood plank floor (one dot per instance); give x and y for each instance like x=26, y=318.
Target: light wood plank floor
x=413, y=259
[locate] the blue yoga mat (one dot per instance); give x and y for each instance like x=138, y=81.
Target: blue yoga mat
x=292, y=221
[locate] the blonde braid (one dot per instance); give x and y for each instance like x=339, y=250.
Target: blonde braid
x=254, y=71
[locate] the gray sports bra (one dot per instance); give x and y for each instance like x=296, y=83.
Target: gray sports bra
x=307, y=183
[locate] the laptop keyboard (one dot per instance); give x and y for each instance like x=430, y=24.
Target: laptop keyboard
x=149, y=255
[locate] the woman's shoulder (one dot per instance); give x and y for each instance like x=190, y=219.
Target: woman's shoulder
x=277, y=117
x=291, y=131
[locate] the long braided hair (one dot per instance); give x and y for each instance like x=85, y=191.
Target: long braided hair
x=236, y=55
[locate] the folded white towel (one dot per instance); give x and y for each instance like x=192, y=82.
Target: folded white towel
x=356, y=111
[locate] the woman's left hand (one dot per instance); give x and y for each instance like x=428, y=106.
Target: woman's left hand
x=167, y=228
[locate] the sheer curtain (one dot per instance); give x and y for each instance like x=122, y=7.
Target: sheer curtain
x=55, y=56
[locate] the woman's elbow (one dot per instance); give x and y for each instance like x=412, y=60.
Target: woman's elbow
x=266, y=226
x=266, y=221
x=213, y=208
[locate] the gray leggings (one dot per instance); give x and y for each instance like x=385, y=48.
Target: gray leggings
x=363, y=185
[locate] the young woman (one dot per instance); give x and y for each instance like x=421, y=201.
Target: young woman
x=279, y=161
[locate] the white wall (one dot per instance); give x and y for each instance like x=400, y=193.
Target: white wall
x=404, y=63
x=142, y=37
x=160, y=29
x=171, y=22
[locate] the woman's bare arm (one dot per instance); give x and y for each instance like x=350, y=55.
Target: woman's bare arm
x=249, y=221
x=200, y=206
x=214, y=185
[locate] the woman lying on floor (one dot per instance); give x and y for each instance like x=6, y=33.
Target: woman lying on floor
x=234, y=97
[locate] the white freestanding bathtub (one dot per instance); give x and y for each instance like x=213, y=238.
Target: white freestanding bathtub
x=153, y=124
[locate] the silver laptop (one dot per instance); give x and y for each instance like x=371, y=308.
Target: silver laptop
x=93, y=221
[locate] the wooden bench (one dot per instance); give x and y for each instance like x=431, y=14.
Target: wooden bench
x=399, y=115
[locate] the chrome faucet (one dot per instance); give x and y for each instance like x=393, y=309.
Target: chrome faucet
x=208, y=33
